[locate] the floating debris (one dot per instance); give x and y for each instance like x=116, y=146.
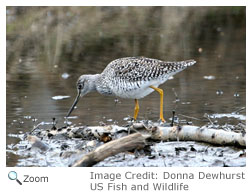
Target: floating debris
x=236, y=95
x=65, y=75
x=67, y=122
x=209, y=77
x=219, y=92
x=185, y=102
x=27, y=117
x=20, y=136
x=59, y=97
x=236, y=116
x=72, y=117
x=34, y=119
x=127, y=118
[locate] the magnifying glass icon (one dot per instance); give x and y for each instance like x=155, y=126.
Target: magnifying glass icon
x=13, y=176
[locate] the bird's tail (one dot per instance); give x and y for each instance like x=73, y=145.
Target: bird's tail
x=187, y=63
x=178, y=66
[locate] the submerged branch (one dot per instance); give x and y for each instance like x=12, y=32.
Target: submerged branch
x=130, y=142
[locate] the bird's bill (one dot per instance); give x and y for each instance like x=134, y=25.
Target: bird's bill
x=74, y=104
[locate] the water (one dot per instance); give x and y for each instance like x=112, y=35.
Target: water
x=45, y=60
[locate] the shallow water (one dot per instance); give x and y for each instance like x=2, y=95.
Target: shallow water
x=192, y=154
x=38, y=87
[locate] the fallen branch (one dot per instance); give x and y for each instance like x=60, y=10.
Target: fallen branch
x=200, y=134
x=130, y=142
x=181, y=133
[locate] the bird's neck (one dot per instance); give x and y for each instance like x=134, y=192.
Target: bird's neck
x=93, y=79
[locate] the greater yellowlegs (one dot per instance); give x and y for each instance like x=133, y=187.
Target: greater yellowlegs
x=130, y=77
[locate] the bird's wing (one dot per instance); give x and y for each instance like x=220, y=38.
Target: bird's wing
x=141, y=68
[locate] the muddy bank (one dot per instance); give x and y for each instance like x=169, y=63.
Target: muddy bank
x=66, y=145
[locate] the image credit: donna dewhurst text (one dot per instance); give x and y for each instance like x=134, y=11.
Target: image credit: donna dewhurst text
x=155, y=181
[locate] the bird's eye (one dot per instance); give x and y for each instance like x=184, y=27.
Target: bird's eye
x=80, y=86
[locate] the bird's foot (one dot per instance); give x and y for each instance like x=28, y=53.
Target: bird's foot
x=162, y=120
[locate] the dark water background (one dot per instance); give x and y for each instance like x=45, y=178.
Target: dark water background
x=44, y=43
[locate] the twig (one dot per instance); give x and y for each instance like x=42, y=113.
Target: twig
x=35, y=127
x=176, y=96
x=207, y=116
x=173, y=118
x=189, y=117
x=239, y=110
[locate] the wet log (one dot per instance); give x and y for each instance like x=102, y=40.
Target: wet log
x=181, y=133
x=200, y=134
x=130, y=142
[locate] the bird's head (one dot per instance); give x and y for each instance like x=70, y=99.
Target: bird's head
x=85, y=84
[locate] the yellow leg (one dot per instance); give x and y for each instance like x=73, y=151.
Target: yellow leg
x=161, y=102
x=136, y=109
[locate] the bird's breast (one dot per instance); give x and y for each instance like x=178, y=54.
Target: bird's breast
x=135, y=94
x=134, y=90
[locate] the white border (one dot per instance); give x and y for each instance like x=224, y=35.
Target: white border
x=126, y=3
x=69, y=180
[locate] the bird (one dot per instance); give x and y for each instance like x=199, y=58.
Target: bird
x=130, y=78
